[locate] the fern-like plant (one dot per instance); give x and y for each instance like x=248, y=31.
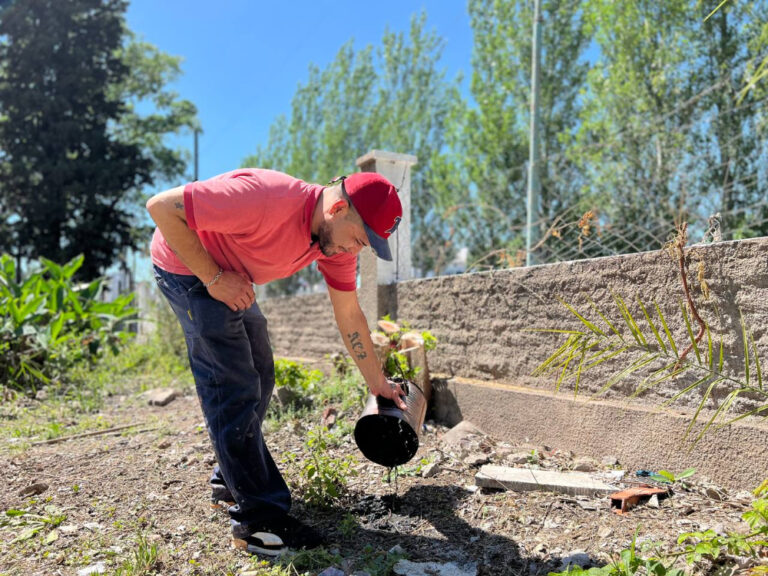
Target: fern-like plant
x=647, y=343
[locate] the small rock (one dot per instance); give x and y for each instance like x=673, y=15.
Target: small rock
x=605, y=532
x=161, y=396
x=587, y=504
x=576, y=558
x=41, y=395
x=653, y=501
x=585, y=464
x=396, y=549
x=519, y=458
x=68, y=528
x=97, y=568
x=329, y=417
x=92, y=526
x=408, y=568
x=332, y=571
x=210, y=460
x=609, y=461
x=503, y=451
x=33, y=489
x=476, y=460
x=430, y=470
x=164, y=444
x=460, y=432
x=715, y=493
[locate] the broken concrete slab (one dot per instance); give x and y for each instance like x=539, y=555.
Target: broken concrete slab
x=526, y=480
x=408, y=568
x=161, y=396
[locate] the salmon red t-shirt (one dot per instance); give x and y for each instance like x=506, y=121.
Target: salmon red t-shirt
x=257, y=223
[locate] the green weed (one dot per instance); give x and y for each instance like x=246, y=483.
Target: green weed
x=143, y=560
x=322, y=478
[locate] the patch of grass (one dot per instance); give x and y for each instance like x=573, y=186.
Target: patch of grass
x=73, y=408
x=308, y=561
x=143, y=560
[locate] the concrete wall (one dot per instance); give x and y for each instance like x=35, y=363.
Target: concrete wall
x=483, y=321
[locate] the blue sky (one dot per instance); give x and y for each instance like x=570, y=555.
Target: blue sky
x=242, y=60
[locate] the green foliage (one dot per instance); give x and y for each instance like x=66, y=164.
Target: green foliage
x=709, y=545
x=75, y=152
x=50, y=324
x=630, y=562
x=296, y=377
x=322, y=477
x=496, y=143
x=667, y=477
x=379, y=563
x=308, y=561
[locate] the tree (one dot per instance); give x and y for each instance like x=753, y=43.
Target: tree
x=729, y=152
x=76, y=152
x=393, y=98
x=497, y=138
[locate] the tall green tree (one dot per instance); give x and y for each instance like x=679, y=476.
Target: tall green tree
x=392, y=97
x=76, y=152
x=634, y=131
x=497, y=138
x=730, y=151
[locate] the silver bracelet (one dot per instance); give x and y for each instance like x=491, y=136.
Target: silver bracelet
x=214, y=279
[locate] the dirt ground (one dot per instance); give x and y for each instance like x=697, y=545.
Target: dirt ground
x=150, y=482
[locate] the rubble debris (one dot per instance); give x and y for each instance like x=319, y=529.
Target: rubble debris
x=33, y=489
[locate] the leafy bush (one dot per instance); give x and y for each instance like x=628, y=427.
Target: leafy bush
x=50, y=324
x=296, y=376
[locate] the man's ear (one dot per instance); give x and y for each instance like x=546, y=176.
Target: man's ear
x=339, y=207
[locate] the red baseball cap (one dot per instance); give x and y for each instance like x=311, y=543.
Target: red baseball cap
x=376, y=200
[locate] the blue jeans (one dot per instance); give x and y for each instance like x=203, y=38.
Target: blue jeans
x=232, y=364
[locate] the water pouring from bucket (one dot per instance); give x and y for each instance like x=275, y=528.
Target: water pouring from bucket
x=384, y=433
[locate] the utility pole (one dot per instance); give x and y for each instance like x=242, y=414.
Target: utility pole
x=534, y=184
x=197, y=156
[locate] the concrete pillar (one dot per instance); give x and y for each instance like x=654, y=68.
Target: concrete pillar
x=377, y=277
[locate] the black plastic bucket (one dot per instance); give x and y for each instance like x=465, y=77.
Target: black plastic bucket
x=388, y=435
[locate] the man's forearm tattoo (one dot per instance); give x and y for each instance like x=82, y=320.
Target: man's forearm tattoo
x=357, y=345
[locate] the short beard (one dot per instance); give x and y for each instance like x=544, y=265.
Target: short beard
x=324, y=240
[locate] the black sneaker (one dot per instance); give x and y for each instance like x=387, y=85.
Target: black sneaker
x=274, y=537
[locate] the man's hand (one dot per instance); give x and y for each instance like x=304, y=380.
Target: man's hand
x=390, y=389
x=234, y=290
